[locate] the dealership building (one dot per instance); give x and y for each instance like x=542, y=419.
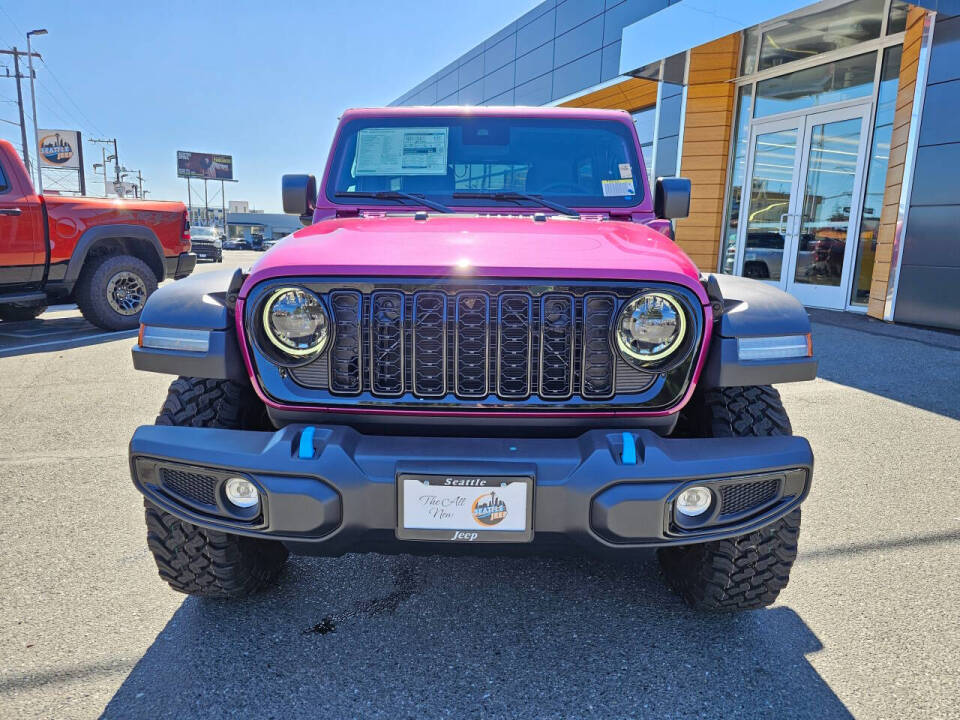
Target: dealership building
x=822, y=139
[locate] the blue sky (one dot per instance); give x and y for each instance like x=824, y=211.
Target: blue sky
x=263, y=81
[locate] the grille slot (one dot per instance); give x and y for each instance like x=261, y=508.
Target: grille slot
x=472, y=351
x=557, y=324
x=386, y=343
x=597, y=371
x=193, y=486
x=735, y=499
x=430, y=344
x=345, y=356
x=514, y=330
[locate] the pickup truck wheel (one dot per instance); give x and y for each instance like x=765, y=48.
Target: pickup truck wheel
x=746, y=572
x=113, y=289
x=195, y=560
x=15, y=312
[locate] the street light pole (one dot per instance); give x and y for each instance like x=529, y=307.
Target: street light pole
x=33, y=101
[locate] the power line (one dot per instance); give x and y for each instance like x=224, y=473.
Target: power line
x=72, y=101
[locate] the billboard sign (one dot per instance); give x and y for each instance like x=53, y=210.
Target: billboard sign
x=205, y=166
x=59, y=149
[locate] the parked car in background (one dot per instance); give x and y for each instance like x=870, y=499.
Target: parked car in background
x=434, y=364
x=105, y=255
x=207, y=243
x=234, y=244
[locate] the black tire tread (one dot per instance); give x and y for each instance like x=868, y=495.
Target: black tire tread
x=746, y=411
x=200, y=561
x=746, y=572
x=741, y=573
x=15, y=312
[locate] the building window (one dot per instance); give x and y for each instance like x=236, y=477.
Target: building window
x=804, y=36
x=876, y=176
x=728, y=250
x=645, y=121
x=833, y=82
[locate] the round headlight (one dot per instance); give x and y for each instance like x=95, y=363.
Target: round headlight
x=296, y=322
x=650, y=327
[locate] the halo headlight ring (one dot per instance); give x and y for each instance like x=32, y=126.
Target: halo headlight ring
x=660, y=354
x=284, y=353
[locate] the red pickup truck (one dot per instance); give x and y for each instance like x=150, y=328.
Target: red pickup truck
x=106, y=255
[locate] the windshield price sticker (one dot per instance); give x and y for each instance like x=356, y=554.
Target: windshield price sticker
x=402, y=151
x=617, y=188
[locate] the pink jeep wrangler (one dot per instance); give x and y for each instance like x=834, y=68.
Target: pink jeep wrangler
x=485, y=340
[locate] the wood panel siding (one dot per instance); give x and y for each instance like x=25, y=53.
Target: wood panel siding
x=706, y=146
x=632, y=94
x=882, y=269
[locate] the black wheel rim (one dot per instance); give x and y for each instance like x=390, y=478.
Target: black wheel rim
x=126, y=292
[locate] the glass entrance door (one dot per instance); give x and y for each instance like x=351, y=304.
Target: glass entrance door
x=798, y=224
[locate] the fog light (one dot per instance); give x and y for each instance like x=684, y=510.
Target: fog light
x=241, y=492
x=694, y=501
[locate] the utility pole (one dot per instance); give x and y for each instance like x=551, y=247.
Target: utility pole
x=23, y=123
x=115, y=157
x=33, y=101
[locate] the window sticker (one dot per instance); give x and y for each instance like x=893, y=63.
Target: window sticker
x=402, y=151
x=617, y=188
x=626, y=171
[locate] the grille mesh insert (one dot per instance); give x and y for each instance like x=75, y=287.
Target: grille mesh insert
x=472, y=341
x=735, y=499
x=556, y=349
x=386, y=343
x=193, y=486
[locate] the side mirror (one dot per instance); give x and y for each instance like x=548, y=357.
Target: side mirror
x=671, y=199
x=300, y=196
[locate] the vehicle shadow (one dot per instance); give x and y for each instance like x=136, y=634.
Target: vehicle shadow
x=378, y=636
x=53, y=333
x=914, y=366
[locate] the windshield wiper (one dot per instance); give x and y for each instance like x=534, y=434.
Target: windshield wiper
x=513, y=196
x=396, y=195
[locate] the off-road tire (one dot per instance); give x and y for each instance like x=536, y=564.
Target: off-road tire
x=195, y=560
x=16, y=312
x=91, y=293
x=746, y=572
x=198, y=561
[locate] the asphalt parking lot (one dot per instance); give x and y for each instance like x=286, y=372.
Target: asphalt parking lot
x=868, y=626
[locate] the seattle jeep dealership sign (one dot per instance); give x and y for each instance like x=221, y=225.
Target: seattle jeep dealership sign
x=59, y=149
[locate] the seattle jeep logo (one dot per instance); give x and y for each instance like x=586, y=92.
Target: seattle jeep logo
x=489, y=509
x=55, y=149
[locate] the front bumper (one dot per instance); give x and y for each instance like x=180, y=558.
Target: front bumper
x=586, y=490
x=206, y=252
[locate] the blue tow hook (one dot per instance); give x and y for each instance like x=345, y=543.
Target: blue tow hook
x=306, y=450
x=629, y=454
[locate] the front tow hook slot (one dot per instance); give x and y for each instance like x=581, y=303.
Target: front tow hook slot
x=628, y=455
x=306, y=449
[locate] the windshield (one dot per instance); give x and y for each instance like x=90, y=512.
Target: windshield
x=205, y=231
x=576, y=162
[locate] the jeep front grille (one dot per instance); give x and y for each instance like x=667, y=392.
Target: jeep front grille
x=483, y=345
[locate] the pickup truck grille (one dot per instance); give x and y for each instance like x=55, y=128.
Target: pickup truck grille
x=472, y=345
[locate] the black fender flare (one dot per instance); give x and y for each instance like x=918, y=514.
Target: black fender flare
x=88, y=240
x=203, y=306
x=748, y=309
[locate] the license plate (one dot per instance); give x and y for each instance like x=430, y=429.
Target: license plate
x=465, y=508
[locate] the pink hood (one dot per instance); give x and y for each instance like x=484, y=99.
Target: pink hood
x=479, y=246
